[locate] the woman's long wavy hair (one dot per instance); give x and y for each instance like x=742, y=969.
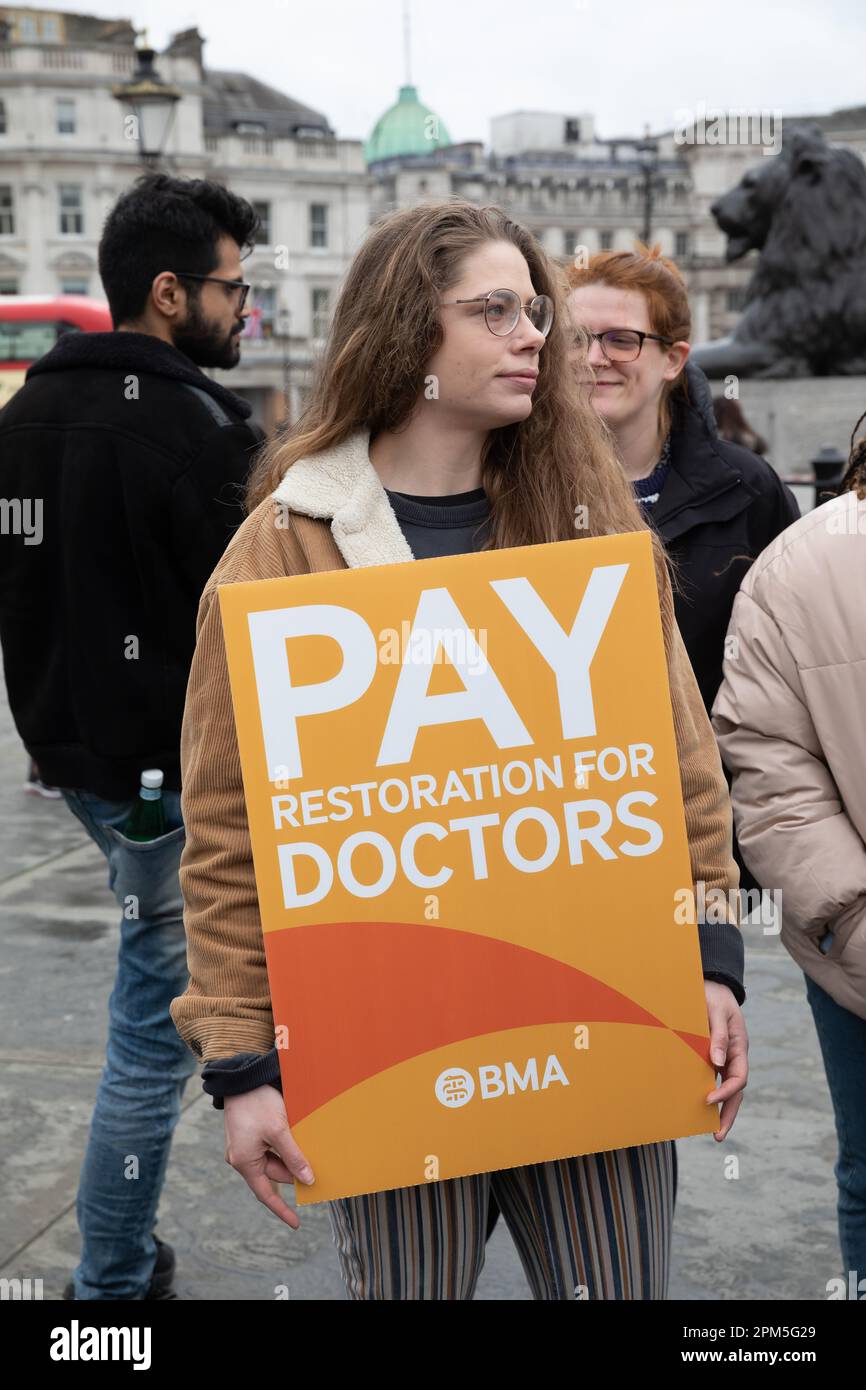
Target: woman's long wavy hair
x=385, y=329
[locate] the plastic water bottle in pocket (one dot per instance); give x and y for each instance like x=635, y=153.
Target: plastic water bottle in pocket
x=146, y=820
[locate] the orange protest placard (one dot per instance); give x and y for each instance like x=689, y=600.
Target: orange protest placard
x=467, y=826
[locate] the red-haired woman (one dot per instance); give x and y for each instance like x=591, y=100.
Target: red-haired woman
x=383, y=469
x=715, y=504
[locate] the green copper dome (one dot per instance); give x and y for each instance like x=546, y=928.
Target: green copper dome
x=409, y=127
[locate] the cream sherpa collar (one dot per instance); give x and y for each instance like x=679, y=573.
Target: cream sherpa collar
x=341, y=485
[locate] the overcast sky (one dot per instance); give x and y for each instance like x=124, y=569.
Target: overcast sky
x=628, y=62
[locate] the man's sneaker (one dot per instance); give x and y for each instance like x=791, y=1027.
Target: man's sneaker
x=160, y=1281
x=36, y=786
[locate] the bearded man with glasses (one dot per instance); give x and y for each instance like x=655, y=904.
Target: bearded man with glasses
x=139, y=461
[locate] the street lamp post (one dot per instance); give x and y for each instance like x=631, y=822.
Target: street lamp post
x=648, y=156
x=152, y=102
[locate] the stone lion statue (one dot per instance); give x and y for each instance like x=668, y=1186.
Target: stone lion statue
x=805, y=314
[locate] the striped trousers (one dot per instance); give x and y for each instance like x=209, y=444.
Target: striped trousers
x=594, y=1227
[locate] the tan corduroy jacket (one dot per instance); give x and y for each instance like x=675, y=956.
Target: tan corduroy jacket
x=334, y=513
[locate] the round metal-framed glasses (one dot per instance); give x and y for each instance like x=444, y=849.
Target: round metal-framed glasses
x=502, y=309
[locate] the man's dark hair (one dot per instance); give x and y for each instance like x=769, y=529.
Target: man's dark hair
x=163, y=223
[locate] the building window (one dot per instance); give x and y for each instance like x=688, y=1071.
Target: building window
x=7, y=210
x=74, y=284
x=681, y=245
x=71, y=210
x=65, y=108
x=569, y=243
x=8, y=286
x=321, y=306
x=306, y=148
x=28, y=28
x=605, y=241
x=50, y=29
x=2, y=118
x=572, y=131
x=263, y=212
x=318, y=224
x=737, y=299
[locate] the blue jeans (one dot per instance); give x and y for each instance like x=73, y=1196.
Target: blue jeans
x=842, y=1036
x=147, y=1064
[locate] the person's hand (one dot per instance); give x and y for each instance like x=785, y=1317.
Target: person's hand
x=729, y=1052
x=260, y=1146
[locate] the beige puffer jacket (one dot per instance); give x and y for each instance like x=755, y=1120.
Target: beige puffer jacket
x=790, y=718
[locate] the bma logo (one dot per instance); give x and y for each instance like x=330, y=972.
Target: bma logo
x=456, y=1087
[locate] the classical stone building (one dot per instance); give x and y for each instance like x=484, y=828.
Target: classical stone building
x=549, y=170
x=66, y=156
x=575, y=190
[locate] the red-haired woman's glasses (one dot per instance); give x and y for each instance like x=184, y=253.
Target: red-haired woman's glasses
x=502, y=310
x=624, y=344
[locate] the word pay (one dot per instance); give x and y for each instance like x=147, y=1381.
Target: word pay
x=568, y=654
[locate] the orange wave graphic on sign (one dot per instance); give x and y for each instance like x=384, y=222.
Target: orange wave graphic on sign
x=366, y=996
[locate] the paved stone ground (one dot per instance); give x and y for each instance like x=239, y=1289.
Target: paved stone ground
x=769, y=1234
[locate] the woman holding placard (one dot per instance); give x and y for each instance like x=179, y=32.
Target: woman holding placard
x=445, y=418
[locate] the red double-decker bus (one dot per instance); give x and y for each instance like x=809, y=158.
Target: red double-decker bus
x=31, y=324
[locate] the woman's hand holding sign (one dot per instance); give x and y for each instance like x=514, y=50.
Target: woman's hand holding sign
x=729, y=1051
x=259, y=1143
x=260, y=1146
